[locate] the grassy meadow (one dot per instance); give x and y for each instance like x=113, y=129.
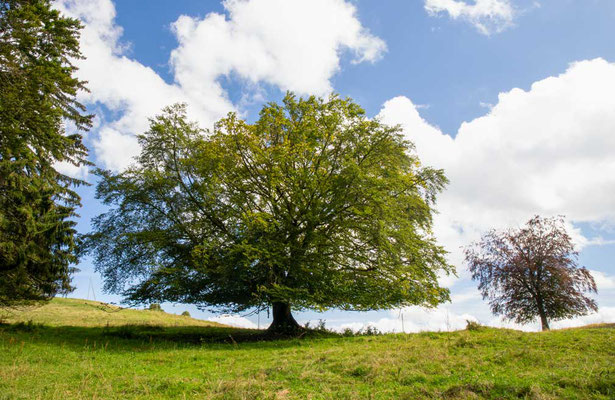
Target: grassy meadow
x=87, y=313
x=76, y=349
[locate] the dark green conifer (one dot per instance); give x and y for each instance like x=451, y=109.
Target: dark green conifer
x=38, y=91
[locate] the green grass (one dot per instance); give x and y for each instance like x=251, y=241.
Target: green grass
x=78, y=312
x=61, y=361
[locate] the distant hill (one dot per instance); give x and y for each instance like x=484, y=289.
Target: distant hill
x=79, y=312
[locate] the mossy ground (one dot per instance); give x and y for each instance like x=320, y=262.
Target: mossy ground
x=191, y=361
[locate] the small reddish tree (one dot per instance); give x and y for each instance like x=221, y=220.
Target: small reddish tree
x=532, y=272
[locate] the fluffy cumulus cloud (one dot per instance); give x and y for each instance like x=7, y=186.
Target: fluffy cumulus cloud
x=293, y=44
x=488, y=16
x=71, y=170
x=414, y=319
x=124, y=86
x=603, y=281
x=549, y=150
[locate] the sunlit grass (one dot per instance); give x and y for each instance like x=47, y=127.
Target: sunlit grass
x=144, y=361
x=79, y=312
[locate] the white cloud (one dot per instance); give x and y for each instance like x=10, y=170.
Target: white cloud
x=603, y=281
x=598, y=241
x=604, y=315
x=68, y=169
x=446, y=319
x=462, y=297
x=415, y=319
x=547, y=151
x=125, y=86
x=294, y=45
x=116, y=149
x=488, y=16
x=233, y=320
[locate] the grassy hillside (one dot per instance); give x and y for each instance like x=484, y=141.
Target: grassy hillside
x=148, y=362
x=78, y=312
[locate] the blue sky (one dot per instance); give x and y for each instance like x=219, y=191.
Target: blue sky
x=513, y=98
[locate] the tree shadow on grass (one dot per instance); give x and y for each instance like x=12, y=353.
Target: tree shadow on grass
x=145, y=337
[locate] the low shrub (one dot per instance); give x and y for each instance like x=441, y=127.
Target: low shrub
x=369, y=330
x=473, y=325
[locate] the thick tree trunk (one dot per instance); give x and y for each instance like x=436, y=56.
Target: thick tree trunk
x=543, y=315
x=544, y=321
x=283, y=320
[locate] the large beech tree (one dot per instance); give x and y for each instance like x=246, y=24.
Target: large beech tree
x=312, y=206
x=532, y=272
x=38, y=91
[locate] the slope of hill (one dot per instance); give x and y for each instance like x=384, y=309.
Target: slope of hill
x=63, y=360
x=87, y=313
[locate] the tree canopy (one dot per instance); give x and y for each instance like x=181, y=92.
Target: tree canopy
x=38, y=91
x=312, y=206
x=532, y=272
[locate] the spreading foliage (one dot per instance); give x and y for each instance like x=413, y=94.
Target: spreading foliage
x=37, y=97
x=532, y=272
x=313, y=205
